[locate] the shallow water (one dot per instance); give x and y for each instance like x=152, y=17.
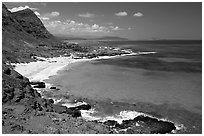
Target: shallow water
x=134, y=85
x=172, y=76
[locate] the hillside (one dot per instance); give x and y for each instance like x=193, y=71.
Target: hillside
x=23, y=108
x=23, y=34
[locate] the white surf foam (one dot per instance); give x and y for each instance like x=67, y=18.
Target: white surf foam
x=69, y=105
x=124, y=115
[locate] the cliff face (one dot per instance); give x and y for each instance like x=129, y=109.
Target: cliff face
x=31, y=23
x=22, y=33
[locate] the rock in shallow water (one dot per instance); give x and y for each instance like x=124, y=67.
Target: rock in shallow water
x=81, y=107
x=38, y=84
x=53, y=87
x=143, y=124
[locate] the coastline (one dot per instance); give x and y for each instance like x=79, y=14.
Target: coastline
x=42, y=70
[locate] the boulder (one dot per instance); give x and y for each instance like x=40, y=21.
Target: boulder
x=50, y=101
x=38, y=84
x=53, y=87
x=8, y=71
x=81, y=107
x=75, y=113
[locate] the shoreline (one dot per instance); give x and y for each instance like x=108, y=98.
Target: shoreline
x=42, y=70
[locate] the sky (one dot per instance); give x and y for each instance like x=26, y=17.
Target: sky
x=132, y=20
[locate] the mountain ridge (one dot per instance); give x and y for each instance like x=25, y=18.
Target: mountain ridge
x=31, y=23
x=22, y=33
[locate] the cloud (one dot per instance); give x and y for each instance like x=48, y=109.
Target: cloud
x=54, y=14
x=138, y=14
x=15, y=9
x=121, y=14
x=48, y=16
x=95, y=26
x=37, y=13
x=45, y=18
x=71, y=26
x=86, y=15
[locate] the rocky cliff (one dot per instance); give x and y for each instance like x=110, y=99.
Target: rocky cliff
x=31, y=23
x=23, y=35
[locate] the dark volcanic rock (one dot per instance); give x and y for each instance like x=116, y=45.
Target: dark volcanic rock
x=50, y=101
x=81, y=107
x=38, y=84
x=147, y=125
x=75, y=113
x=8, y=71
x=53, y=87
x=157, y=126
x=111, y=122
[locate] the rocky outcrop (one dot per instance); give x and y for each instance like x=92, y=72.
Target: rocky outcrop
x=17, y=90
x=142, y=124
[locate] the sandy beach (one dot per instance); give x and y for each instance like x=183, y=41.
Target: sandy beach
x=41, y=70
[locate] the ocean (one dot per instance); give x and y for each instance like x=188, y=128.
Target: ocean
x=171, y=77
